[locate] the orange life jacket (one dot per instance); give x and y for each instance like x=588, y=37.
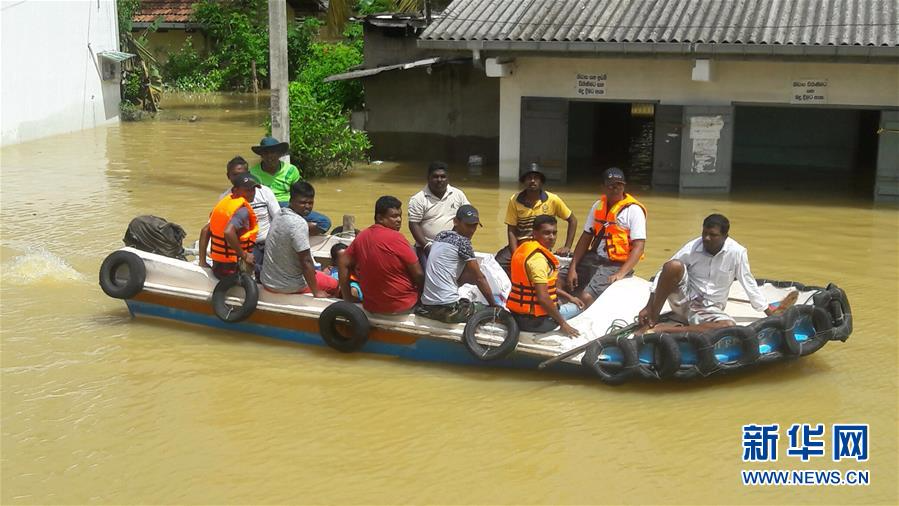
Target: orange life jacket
x=523, y=297
x=617, y=239
x=219, y=250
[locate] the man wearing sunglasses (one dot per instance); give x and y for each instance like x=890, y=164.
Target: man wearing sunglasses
x=612, y=242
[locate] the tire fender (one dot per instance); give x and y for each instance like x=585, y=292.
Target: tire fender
x=117, y=286
x=227, y=313
x=821, y=325
x=488, y=353
x=749, y=347
x=612, y=374
x=770, y=331
x=666, y=359
x=346, y=314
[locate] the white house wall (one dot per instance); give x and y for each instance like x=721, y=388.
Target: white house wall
x=51, y=80
x=669, y=81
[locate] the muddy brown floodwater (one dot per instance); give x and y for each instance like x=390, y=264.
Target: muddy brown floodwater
x=100, y=408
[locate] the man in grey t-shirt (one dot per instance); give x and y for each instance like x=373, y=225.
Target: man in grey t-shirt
x=452, y=262
x=288, y=266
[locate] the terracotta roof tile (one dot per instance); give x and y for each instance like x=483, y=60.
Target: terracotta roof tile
x=172, y=11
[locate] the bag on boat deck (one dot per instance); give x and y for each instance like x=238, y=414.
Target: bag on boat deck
x=499, y=282
x=155, y=235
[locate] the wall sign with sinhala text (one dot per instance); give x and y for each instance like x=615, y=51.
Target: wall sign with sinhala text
x=590, y=85
x=809, y=91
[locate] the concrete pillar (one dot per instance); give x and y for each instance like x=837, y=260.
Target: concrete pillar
x=277, y=45
x=886, y=186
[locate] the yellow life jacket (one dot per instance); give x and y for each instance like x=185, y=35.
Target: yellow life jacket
x=616, y=239
x=219, y=250
x=523, y=297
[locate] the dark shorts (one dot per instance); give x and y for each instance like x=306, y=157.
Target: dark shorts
x=223, y=270
x=457, y=312
x=504, y=258
x=593, y=274
x=537, y=324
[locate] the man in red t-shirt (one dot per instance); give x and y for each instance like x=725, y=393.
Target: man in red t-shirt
x=388, y=270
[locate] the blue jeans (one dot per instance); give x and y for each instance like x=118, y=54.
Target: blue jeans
x=569, y=310
x=318, y=219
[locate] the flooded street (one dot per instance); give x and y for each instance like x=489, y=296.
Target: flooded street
x=98, y=407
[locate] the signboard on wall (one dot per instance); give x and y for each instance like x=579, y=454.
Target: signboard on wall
x=809, y=91
x=705, y=132
x=590, y=85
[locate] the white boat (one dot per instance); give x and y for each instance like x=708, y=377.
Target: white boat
x=163, y=287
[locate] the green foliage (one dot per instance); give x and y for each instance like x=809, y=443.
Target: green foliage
x=300, y=37
x=238, y=32
x=126, y=10
x=329, y=59
x=131, y=87
x=321, y=139
x=186, y=70
x=366, y=7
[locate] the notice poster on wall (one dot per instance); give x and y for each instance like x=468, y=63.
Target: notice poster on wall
x=705, y=132
x=590, y=85
x=809, y=91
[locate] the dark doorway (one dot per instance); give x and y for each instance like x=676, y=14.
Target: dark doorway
x=610, y=134
x=821, y=150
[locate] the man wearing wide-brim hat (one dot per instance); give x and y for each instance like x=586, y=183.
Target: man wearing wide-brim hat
x=279, y=176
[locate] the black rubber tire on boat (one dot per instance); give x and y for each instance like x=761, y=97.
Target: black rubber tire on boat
x=612, y=374
x=749, y=346
x=487, y=353
x=776, y=323
x=696, y=342
x=137, y=274
x=348, y=314
x=821, y=322
x=251, y=297
x=666, y=358
x=833, y=300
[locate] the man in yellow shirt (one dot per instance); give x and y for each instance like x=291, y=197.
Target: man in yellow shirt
x=537, y=298
x=525, y=206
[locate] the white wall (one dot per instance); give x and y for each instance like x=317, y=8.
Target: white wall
x=669, y=81
x=50, y=72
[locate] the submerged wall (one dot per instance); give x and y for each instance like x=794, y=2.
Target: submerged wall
x=51, y=79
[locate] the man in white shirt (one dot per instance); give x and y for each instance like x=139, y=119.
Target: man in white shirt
x=696, y=282
x=264, y=205
x=612, y=242
x=433, y=209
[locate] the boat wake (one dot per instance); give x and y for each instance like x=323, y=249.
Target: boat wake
x=38, y=266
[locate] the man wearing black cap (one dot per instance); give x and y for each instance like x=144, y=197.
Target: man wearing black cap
x=452, y=262
x=612, y=242
x=526, y=205
x=232, y=228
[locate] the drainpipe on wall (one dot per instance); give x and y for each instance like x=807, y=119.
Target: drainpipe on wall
x=476, y=59
x=428, y=12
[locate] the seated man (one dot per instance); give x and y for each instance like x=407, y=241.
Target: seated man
x=304, y=205
x=452, y=262
x=279, y=176
x=526, y=205
x=433, y=209
x=232, y=229
x=535, y=291
x=264, y=204
x=289, y=267
x=612, y=242
x=696, y=283
x=388, y=269
x=337, y=252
